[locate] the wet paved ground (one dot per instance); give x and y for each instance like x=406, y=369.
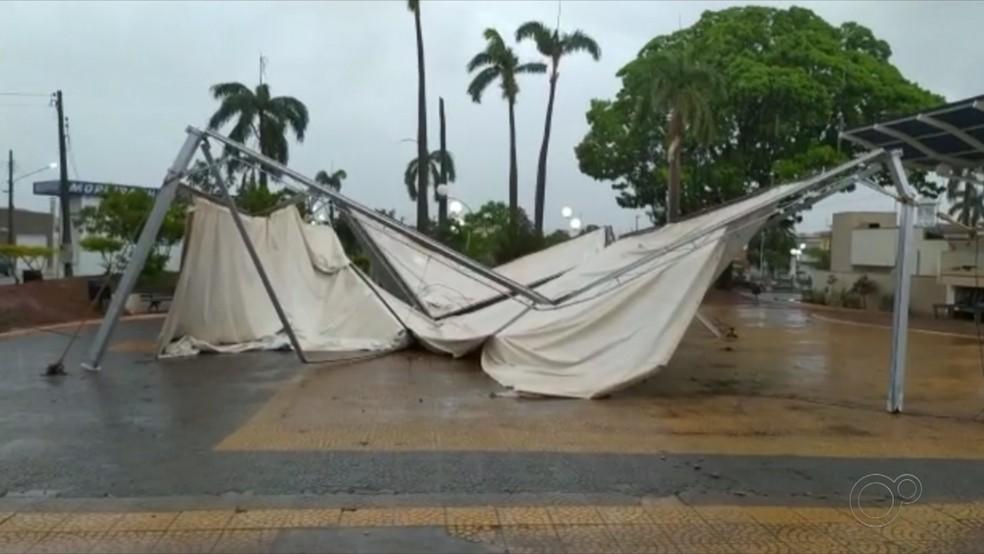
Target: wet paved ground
x=789, y=415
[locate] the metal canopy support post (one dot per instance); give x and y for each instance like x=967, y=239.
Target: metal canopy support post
x=904, y=260
x=148, y=235
x=412, y=234
x=237, y=218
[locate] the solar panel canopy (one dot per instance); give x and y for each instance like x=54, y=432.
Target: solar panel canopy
x=952, y=134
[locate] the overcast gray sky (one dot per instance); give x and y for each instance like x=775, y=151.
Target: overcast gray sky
x=135, y=74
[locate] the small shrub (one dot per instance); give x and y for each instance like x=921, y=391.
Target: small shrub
x=812, y=296
x=863, y=288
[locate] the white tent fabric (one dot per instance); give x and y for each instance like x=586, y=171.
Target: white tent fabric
x=445, y=286
x=622, y=310
x=614, y=334
x=220, y=303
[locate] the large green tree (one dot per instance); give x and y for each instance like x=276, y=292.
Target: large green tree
x=112, y=227
x=498, y=61
x=790, y=82
x=554, y=45
x=422, y=202
x=260, y=116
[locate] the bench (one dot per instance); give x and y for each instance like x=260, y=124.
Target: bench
x=154, y=300
x=946, y=309
x=950, y=310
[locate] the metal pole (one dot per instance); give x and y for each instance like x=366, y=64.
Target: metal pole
x=412, y=234
x=66, y=246
x=904, y=260
x=148, y=235
x=802, y=187
x=281, y=314
x=377, y=256
x=11, y=233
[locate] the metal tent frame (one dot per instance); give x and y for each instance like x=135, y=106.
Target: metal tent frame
x=946, y=139
x=804, y=194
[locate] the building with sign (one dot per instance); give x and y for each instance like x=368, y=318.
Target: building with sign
x=82, y=194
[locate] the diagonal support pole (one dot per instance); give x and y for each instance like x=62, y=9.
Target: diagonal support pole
x=378, y=257
x=904, y=260
x=237, y=218
x=141, y=250
x=354, y=206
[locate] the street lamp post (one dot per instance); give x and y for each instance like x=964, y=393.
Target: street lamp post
x=11, y=230
x=456, y=209
x=11, y=235
x=794, y=256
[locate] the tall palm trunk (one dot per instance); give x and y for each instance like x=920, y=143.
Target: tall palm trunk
x=263, y=150
x=513, y=175
x=968, y=214
x=541, y=168
x=673, y=162
x=422, y=199
x=442, y=201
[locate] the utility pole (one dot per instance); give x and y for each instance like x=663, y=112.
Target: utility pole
x=66, y=238
x=11, y=234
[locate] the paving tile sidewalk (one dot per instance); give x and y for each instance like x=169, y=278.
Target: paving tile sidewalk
x=664, y=525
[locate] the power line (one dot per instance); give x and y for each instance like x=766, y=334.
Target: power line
x=22, y=105
x=37, y=94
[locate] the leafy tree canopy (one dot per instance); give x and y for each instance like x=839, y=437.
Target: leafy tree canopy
x=113, y=227
x=791, y=82
x=32, y=256
x=484, y=235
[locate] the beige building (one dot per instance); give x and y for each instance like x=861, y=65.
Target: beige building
x=865, y=243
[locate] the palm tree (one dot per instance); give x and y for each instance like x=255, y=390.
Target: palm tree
x=260, y=116
x=334, y=182
x=682, y=89
x=442, y=200
x=498, y=61
x=437, y=160
x=554, y=45
x=966, y=202
x=422, y=205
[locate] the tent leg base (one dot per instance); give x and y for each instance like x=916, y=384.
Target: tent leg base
x=90, y=367
x=54, y=369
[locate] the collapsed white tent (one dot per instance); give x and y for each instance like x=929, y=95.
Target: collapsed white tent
x=602, y=334
x=443, y=286
x=582, y=334
x=614, y=334
x=220, y=304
